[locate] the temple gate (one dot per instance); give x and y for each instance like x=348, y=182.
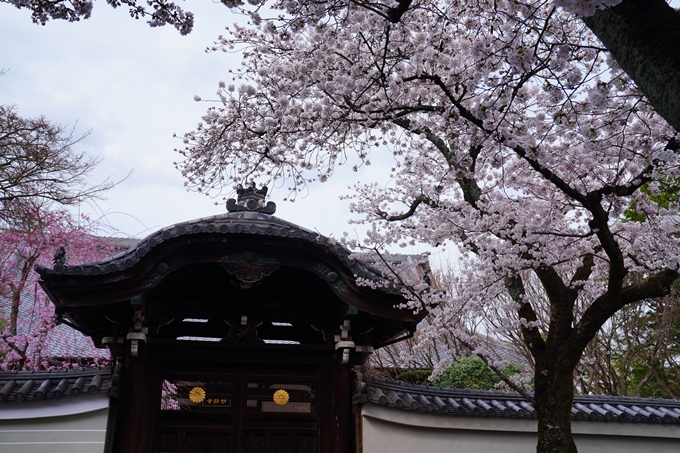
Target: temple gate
x=233, y=333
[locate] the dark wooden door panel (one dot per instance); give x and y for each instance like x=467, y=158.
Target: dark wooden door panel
x=193, y=442
x=279, y=443
x=220, y=443
x=165, y=442
x=305, y=444
x=254, y=443
x=255, y=409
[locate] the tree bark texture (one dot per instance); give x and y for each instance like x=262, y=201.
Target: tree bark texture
x=554, y=397
x=14, y=311
x=17, y=289
x=643, y=36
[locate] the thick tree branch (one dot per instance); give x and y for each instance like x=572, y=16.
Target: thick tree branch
x=412, y=209
x=581, y=275
x=561, y=305
x=394, y=14
x=527, y=315
x=471, y=191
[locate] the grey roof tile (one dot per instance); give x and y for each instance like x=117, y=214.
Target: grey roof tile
x=29, y=386
x=490, y=403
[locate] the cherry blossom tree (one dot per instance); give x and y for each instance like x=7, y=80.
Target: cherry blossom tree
x=159, y=13
x=32, y=235
x=509, y=132
x=635, y=353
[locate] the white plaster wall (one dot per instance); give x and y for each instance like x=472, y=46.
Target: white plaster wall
x=388, y=430
x=78, y=425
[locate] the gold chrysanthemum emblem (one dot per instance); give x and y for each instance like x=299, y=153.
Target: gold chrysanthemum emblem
x=197, y=395
x=281, y=397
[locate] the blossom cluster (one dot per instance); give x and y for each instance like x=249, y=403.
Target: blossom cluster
x=162, y=13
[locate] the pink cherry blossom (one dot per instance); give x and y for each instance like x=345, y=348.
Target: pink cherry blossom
x=31, y=337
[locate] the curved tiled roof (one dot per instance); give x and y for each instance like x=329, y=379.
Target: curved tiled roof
x=243, y=222
x=489, y=403
x=89, y=295
x=28, y=386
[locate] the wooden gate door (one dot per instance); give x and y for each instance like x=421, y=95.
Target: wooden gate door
x=244, y=409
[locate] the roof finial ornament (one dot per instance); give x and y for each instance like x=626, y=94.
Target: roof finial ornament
x=60, y=256
x=251, y=199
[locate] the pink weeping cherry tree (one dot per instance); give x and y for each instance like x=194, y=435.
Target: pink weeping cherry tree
x=30, y=337
x=508, y=131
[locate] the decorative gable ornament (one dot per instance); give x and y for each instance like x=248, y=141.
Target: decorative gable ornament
x=251, y=199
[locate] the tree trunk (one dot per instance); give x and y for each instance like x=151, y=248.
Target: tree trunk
x=14, y=310
x=554, y=397
x=643, y=37
x=17, y=288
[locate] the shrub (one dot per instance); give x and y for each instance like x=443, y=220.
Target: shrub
x=472, y=373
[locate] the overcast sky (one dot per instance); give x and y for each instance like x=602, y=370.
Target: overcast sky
x=133, y=86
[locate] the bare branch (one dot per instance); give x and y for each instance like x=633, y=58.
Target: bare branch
x=37, y=160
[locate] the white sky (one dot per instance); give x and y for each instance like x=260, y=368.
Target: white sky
x=133, y=86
